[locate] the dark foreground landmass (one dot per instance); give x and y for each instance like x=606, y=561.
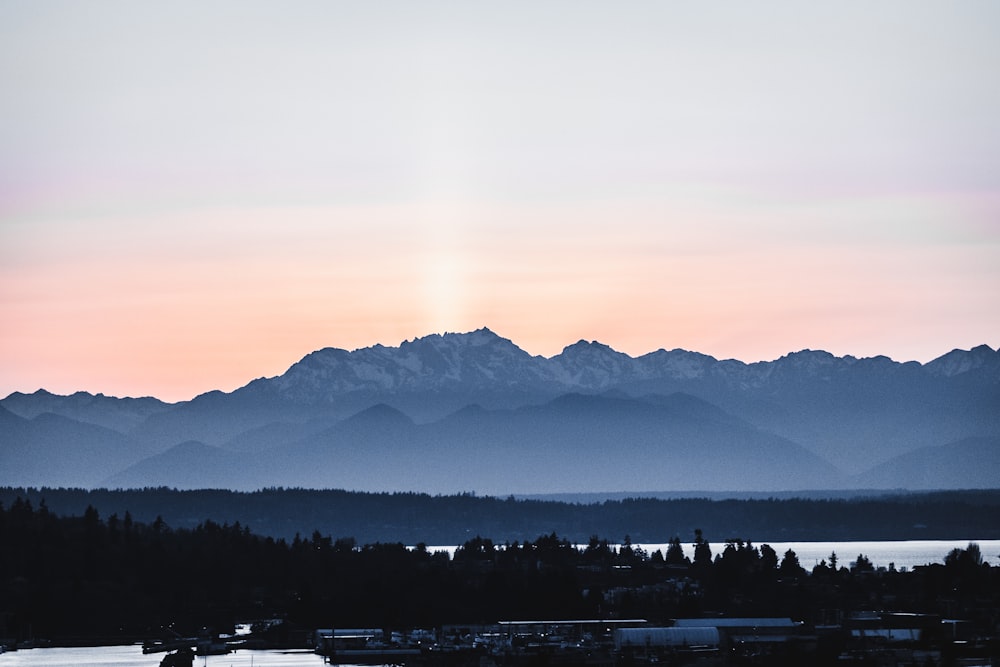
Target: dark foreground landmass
x=88, y=579
x=449, y=520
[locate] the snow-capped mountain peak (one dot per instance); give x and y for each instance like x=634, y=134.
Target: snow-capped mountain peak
x=436, y=362
x=957, y=362
x=481, y=359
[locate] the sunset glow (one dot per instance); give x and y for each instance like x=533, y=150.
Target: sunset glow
x=192, y=197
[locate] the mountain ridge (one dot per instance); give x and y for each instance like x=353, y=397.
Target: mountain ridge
x=683, y=363
x=851, y=413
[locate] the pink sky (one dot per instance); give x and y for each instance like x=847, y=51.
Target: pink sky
x=185, y=207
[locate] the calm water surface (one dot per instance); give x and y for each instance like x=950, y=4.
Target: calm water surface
x=908, y=553
x=132, y=656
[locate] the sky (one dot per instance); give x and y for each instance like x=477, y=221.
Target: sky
x=196, y=194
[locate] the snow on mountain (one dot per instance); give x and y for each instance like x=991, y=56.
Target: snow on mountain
x=480, y=359
x=851, y=412
x=592, y=366
x=483, y=361
x=958, y=362
x=681, y=365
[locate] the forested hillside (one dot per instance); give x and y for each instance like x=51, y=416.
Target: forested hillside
x=88, y=579
x=412, y=518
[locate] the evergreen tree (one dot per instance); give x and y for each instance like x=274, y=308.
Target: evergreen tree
x=675, y=553
x=702, y=550
x=790, y=565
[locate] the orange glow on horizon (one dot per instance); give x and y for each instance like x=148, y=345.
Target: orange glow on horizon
x=153, y=316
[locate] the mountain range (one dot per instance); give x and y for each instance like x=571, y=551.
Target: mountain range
x=474, y=412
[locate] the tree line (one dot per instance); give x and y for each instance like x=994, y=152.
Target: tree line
x=416, y=517
x=87, y=578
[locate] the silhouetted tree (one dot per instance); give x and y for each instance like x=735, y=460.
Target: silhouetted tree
x=57, y=580
x=675, y=553
x=598, y=552
x=702, y=550
x=821, y=569
x=768, y=558
x=971, y=556
x=862, y=564
x=790, y=565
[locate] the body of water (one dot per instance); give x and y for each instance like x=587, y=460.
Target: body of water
x=902, y=553
x=132, y=656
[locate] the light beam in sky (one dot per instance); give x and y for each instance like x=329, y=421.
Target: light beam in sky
x=195, y=195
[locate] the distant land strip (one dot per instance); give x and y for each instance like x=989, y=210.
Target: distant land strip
x=414, y=518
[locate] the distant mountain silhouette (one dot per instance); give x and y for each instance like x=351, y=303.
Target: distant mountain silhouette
x=188, y=465
x=971, y=463
x=53, y=450
x=119, y=414
x=472, y=411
